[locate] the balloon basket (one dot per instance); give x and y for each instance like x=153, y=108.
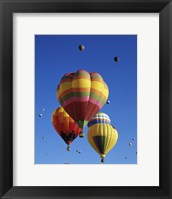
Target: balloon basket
x=102, y=158
x=68, y=148
x=81, y=135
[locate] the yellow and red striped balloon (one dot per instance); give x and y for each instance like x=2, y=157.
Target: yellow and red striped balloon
x=82, y=95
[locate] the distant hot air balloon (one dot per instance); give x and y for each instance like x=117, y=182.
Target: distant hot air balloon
x=108, y=102
x=40, y=115
x=99, y=118
x=116, y=59
x=65, y=126
x=130, y=144
x=101, y=135
x=82, y=95
x=81, y=47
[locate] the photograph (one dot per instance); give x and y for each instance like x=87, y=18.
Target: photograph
x=86, y=94
x=85, y=99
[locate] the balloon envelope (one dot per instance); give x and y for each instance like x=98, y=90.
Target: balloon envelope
x=81, y=47
x=116, y=59
x=130, y=144
x=102, y=137
x=99, y=118
x=108, y=102
x=40, y=115
x=82, y=95
x=65, y=126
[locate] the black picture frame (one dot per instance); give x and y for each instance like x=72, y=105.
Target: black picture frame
x=7, y=8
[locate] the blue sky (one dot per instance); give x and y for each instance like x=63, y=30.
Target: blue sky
x=56, y=55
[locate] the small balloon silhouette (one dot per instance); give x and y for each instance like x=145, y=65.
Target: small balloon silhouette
x=81, y=47
x=108, y=102
x=130, y=144
x=116, y=59
x=40, y=115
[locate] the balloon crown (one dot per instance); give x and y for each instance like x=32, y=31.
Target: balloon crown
x=99, y=118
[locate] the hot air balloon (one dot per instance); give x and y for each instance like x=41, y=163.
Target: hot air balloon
x=116, y=59
x=108, y=102
x=130, y=144
x=65, y=126
x=81, y=47
x=82, y=95
x=99, y=118
x=40, y=115
x=102, y=137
